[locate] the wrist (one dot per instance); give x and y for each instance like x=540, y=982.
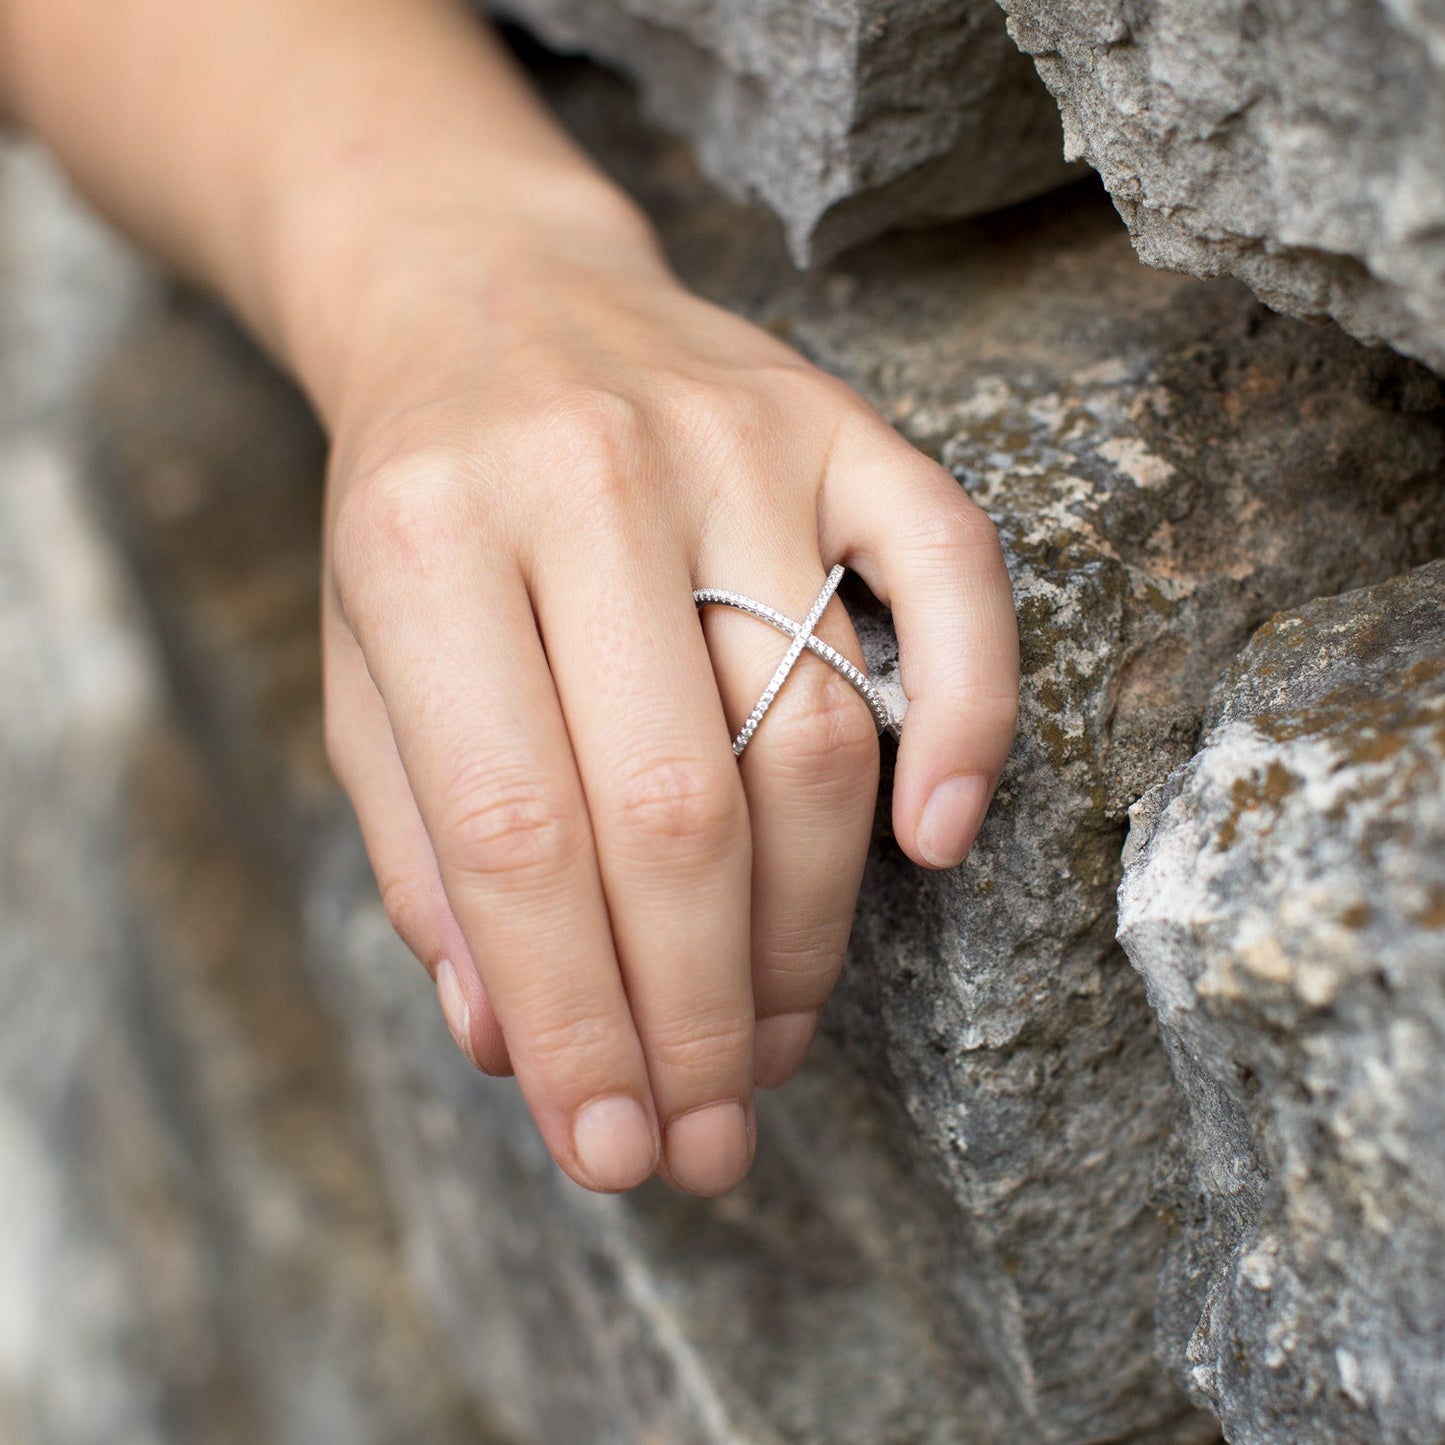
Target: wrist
x=412, y=157
x=364, y=267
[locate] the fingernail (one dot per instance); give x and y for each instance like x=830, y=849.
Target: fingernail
x=614, y=1142
x=951, y=819
x=455, y=1009
x=780, y=1046
x=708, y=1150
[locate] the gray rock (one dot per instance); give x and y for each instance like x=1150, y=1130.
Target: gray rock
x=75, y=690
x=1162, y=465
x=948, y=1235
x=1285, y=901
x=846, y=117
x=1295, y=145
x=75, y=1320
x=69, y=290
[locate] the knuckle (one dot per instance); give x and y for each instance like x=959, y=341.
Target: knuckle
x=571, y=1043
x=951, y=532
x=402, y=515
x=982, y=711
x=796, y=969
x=685, y=395
x=593, y=442
x=1000, y=709
x=507, y=833
x=799, y=383
x=717, y=417
x=667, y=803
x=408, y=909
x=600, y=430
x=825, y=732
x=703, y=1048
x=402, y=504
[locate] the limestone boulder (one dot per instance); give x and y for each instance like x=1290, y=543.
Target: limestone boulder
x=845, y=117
x=1296, y=145
x=1285, y=903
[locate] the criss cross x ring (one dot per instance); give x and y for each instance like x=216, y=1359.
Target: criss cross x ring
x=803, y=637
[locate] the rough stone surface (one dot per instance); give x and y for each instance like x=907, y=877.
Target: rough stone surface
x=194, y=1247
x=846, y=117
x=1163, y=466
x=1285, y=902
x=948, y=1236
x=1295, y=144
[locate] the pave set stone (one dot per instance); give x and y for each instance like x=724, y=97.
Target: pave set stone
x=803, y=637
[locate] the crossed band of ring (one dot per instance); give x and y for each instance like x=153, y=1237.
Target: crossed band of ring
x=803, y=637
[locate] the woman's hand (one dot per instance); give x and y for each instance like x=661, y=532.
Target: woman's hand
x=542, y=445
x=537, y=461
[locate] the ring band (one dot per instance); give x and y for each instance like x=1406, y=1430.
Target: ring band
x=802, y=637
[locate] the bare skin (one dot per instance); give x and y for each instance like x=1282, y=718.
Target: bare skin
x=541, y=443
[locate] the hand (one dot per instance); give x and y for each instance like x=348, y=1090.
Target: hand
x=542, y=444
x=539, y=452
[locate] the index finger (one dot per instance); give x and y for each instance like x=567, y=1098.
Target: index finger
x=903, y=523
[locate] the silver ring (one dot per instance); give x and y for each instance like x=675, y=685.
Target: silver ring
x=803, y=637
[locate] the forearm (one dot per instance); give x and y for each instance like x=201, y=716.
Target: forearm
x=288, y=152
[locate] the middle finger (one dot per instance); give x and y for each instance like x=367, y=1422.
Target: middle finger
x=670, y=820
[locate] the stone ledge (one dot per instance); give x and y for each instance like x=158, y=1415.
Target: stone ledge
x=845, y=117
x=1296, y=149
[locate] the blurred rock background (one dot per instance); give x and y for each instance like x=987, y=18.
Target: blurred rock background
x=194, y=1241
x=1031, y=1187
